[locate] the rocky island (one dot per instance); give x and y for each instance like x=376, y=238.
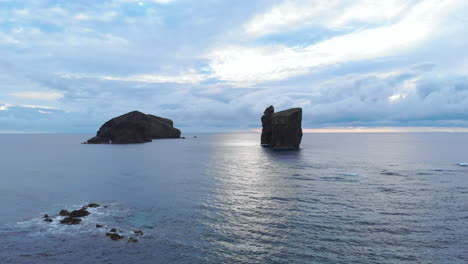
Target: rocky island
x=282, y=130
x=134, y=127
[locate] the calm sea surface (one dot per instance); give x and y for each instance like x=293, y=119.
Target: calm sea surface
x=221, y=198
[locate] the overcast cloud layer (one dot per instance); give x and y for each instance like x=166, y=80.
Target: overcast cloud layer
x=212, y=65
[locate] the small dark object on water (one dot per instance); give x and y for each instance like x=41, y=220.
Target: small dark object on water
x=79, y=213
x=64, y=213
x=46, y=216
x=70, y=221
x=138, y=232
x=105, y=206
x=194, y=136
x=132, y=239
x=93, y=205
x=182, y=138
x=98, y=226
x=48, y=220
x=114, y=230
x=114, y=236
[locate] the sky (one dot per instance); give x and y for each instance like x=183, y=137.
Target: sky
x=215, y=65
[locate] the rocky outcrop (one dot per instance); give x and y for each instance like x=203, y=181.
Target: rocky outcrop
x=79, y=213
x=76, y=217
x=135, y=127
x=266, y=125
x=282, y=130
x=70, y=221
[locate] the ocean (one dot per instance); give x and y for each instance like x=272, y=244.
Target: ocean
x=222, y=198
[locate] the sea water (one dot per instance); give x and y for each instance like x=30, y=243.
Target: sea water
x=222, y=198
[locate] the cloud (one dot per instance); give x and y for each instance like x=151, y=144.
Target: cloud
x=215, y=66
x=4, y=107
x=188, y=77
x=8, y=39
x=251, y=65
x=39, y=95
x=150, y=1
x=296, y=14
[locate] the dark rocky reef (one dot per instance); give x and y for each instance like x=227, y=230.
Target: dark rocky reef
x=282, y=130
x=134, y=127
x=75, y=217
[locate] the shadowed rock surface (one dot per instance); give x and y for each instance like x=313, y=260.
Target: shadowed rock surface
x=114, y=236
x=134, y=127
x=64, y=212
x=266, y=125
x=282, y=130
x=79, y=213
x=70, y=221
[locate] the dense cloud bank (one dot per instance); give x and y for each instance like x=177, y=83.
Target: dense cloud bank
x=67, y=66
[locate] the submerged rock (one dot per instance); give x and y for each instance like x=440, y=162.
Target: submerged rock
x=113, y=230
x=138, y=232
x=132, y=239
x=135, y=127
x=98, y=226
x=93, y=205
x=48, y=220
x=282, y=130
x=70, y=221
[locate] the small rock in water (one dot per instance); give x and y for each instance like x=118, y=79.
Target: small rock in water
x=182, y=138
x=105, y=206
x=93, y=205
x=132, y=239
x=138, y=232
x=98, y=226
x=114, y=236
x=64, y=213
x=70, y=221
x=48, y=220
x=113, y=230
x=46, y=216
x=79, y=213
x=194, y=136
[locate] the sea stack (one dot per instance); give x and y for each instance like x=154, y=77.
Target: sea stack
x=266, y=125
x=282, y=130
x=135, y=127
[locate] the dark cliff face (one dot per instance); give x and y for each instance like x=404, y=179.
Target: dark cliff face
x=134, y=127
x=266, y=125
x=282, y=130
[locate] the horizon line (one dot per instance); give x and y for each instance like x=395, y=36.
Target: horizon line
x=304, y=130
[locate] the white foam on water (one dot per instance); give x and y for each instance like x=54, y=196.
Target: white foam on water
x=463, y=164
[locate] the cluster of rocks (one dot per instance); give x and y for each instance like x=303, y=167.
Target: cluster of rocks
x=134, y=127
x=74, y=218
x=282, y=130
x=114, y=235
